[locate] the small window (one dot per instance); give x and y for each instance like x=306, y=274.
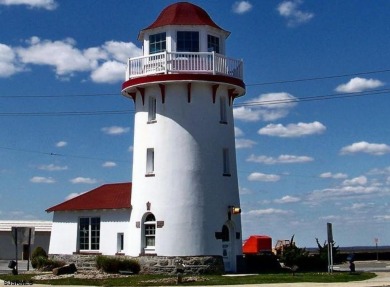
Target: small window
x=152, y=110
x=150, y=161
x=89, y=233
x=226, y=162
x=150, y=232
x=212, y=43
x=157, y=43
x=222, y=103
x=187, y=41
x=120, y=242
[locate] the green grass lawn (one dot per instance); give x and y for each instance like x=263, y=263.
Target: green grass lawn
x=161, y=280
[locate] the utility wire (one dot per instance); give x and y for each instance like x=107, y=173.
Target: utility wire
x=319, y=78
x=248, y=85
x=60, y=155
x=245, y=104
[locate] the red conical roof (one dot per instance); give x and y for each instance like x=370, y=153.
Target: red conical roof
x=182, y=13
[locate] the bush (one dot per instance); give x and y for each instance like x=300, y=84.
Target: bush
x=38, y=251
x=115, y=264
x=38, y=262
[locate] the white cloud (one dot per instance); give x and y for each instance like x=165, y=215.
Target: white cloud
x=244, y=190
x=290, y=11
x=238, y=132
x=52, y=167
x=241, y=7
x=8, y=65
x=268, y=211
x=258, y=176
x=86, y=180
x=359, y=85
x=72, y=195
x=108, y=72
x=357, y=206
x=266, y=107
x=106, y=63
x=360, y=180
x=45, y=4
x=42, y=179
x=109, y=164
x=61, y=144
x=365, y=147
x=59, y=54
x=293, y=130
x=244, y=143
x=382, y=217
x=284, y=158
x=333, y=175
x=115, y=130
x=348, y=191
x=287, y=199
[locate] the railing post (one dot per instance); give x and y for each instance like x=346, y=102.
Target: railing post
x=128, y=69
x=166, y=62
x=214, y=62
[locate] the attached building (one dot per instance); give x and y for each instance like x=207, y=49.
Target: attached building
x=7, y=246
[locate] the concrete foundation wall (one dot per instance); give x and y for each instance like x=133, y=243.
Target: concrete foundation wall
x=155, y=264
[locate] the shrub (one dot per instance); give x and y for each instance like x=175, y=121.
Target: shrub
x=38, y=251
x=293, y=255
x=38, y=262
x=115, y=264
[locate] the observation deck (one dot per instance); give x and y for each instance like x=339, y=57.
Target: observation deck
x=210, y=63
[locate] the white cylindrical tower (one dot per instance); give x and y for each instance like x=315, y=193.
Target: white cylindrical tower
x=185, y=198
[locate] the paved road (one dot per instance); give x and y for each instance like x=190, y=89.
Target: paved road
x=22, y=266
x=381, y=268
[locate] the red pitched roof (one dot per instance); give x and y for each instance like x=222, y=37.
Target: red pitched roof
x=183, y=13
x=108, y=196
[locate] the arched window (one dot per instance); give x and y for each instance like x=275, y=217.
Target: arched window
x=149, y=233
x=225, y=233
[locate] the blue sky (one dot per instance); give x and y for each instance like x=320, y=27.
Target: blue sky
x=312, y=131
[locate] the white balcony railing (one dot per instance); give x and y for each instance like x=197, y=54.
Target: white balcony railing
x=184, y=62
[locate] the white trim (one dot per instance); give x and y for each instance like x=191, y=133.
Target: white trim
x=40, y=226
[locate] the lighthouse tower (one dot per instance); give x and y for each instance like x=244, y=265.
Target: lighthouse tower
x=185, y=199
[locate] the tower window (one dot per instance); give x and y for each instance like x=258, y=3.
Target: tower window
x=226, y=162
x=149, y=233
x=150, y=161
x=157, y=43
x=187, y=41
x=152, y=110
x=222, y=107
x=212, y=43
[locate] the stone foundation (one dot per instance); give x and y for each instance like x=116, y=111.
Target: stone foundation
x=154, y=264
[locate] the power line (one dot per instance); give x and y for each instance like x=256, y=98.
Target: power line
x=246, y=104
x=57, y=114
x=60, y=96
x=319, y=78
x=248, y=85
x=314, y=98
x=60, y=155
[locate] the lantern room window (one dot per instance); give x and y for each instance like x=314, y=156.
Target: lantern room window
x=187, y=41
x=212, y=43
x=157, y=43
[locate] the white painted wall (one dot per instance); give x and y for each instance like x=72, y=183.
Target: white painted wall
x=188, y=192
x=64, y=239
